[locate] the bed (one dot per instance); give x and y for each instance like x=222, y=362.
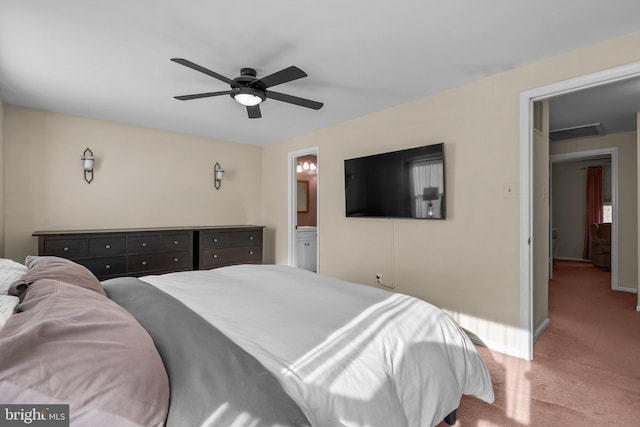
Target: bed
x=267, y=345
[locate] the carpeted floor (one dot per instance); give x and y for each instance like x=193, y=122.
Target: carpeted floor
x=586, y=367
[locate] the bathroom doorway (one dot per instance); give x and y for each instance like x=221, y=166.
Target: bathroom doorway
x=303, y=202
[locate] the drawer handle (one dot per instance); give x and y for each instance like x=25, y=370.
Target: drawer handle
x=107, y=246
x=66, y=249
x=144, y=262
x=176, y=259
x=215, y=240
x=175, y=242
x=250, y=237
x=250, y=252
x=144, y=244
x=215, y=255
x=108, y=266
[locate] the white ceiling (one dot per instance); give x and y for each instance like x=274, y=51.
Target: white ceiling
x=111, y=59
x=614, y=106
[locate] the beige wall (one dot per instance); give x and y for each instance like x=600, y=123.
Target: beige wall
x=627, y=196
x=469, y=263
x=2, y=179
x=143, y=178
x=570, y=201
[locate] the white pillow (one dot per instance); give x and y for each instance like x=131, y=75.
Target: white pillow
x=8, y=305
x=10, y=271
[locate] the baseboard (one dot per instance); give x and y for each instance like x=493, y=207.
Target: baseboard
x=566, y=258
x=490, y=331
x=637, y=307
x=509, y=351
x=540, y=329
x=630, y=290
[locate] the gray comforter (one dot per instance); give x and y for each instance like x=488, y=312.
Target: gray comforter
x=213, y=381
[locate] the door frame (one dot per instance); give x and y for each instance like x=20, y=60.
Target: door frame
x=293, y=202
x=527, y=98
x=613, y=152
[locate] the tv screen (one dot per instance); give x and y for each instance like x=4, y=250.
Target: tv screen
x=400, y=184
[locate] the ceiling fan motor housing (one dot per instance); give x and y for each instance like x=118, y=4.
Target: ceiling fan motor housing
x=248, y=72
x=247, y=83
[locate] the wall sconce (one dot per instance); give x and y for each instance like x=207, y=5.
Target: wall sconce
x=218, y=175
x=87, y=164
x=430, y=194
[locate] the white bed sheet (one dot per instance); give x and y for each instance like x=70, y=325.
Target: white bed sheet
x=8, y=304
x=348, y=354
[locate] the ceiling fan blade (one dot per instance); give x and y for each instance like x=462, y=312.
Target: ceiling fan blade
x=282, y=76
x=294, y=100
x=202, y=95
x=206, y=71
x=254, y=112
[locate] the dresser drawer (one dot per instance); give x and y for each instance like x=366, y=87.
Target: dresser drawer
x=66, y=248
x=107, y=246
x=176, y=242
x=108, y=266
x=212, y=258
x=160, y=261
x=143, y=244
x=235, y=239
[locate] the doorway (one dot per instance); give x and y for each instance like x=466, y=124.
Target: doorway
x=528, y=233
x=303, y=209
x=569, y=172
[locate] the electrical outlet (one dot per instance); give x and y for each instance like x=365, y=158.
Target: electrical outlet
x=509, y=190
x=381, y=283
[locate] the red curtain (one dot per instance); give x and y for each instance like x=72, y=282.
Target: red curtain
x=594, y=205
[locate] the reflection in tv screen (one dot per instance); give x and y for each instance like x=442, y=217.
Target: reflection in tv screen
x=399, y=184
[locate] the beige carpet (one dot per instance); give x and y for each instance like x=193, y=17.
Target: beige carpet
x=586, y=367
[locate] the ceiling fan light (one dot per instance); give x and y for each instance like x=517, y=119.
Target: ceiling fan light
x=248, y=96
x=248, y=99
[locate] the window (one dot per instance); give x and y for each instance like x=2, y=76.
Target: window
x=428, y=187
x=607, y=212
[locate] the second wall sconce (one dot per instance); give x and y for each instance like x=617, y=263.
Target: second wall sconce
x=87, y=164
x=218, y=175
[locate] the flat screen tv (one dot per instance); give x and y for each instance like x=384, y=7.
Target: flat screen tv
x=399, y=184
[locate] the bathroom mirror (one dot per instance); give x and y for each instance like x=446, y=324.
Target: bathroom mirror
x=303, y=195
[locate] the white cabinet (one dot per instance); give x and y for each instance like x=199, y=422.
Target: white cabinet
x=307, y=248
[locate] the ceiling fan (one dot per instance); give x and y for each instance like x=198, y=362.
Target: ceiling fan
x=249, y=90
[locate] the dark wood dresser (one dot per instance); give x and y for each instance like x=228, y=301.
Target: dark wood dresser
x=142, y=251
x=218, y=247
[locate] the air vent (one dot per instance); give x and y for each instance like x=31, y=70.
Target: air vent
x=594, y=129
